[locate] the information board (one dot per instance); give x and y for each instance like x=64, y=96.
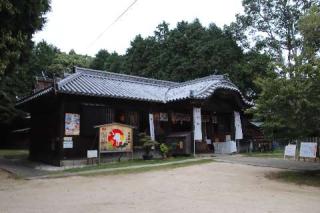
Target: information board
x=308, y=150
x=67, y=143
x=290, y=150
x=92, y=153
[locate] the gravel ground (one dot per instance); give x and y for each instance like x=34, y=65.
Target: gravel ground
x=212, y=187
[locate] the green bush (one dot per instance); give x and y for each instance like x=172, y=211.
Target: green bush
x=164, y=149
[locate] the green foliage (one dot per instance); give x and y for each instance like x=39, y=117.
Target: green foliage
x=48, y=60
x=272, y=25
x=147, y=142
x=103, y=60
x=309, y=26
x=19, y=20
x=289, y=105
x=164, y=149
x=191, y=51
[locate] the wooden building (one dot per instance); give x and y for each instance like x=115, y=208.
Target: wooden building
x=72, y=106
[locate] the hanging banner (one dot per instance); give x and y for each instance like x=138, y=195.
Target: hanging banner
x=197, y=124
x=238, y=127
x=72, y=124
x=151, y=125
x=308, y=150
x=115, y=138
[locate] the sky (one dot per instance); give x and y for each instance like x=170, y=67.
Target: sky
x=77, y=24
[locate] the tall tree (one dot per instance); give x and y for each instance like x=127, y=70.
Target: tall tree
x=19, y=20
x=273, y=26
x=290, y=107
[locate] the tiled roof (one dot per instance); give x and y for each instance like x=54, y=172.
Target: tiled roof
x=106, y=84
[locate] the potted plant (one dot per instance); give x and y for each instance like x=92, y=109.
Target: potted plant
x=148, y=144
x=164, y=149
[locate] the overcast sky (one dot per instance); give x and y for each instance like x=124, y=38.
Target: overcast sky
x=76, y=24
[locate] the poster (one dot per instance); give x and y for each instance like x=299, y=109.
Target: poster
x=72, y=124
x=151, y=126
x=308, y=150
x=290, y=150
x=197, y=124
x=238, y=127
x=115, y=138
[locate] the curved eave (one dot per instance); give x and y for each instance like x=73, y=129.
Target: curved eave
x=211, y=90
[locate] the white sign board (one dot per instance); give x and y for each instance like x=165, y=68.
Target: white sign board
x=151, y=125
x=67, y=143
x=290, y=150
x=238, y=127
x=197, y=124
x=92, y=153
x=308, y=150
x=225, y=147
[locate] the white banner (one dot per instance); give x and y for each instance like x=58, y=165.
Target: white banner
x=308, y=150
x=238, y=127
x=151, y=125
x=197, y=124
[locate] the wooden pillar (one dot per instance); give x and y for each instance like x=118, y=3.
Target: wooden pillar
x=61, y=124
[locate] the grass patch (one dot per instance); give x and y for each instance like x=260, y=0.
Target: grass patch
x=14, y=153
x=128, y=163
x=154, y=168
x=272, y=154
x=309, y=178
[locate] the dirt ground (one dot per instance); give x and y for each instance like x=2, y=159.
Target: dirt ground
x=213, y=187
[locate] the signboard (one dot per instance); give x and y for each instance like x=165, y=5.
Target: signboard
x=308, y=150
x=290, y=150
x=238, y=127
x=151, y=126
x=197, y=124
x=92, y=153
x=67, y=143
x=115, y=138
x=72, y=124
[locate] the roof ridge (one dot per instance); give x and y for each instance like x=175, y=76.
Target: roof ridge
x=125, y=77
x=209, y=77
x=69, y=78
